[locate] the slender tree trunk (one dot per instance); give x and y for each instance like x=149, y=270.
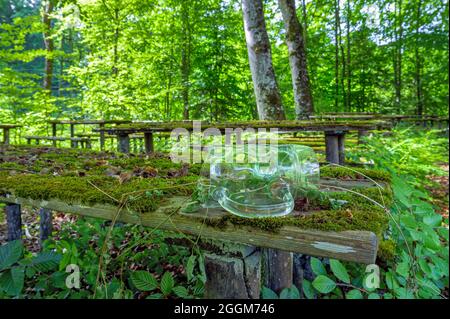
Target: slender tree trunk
x=398, y=38
x=185, y=58
x=336, y=55
x=115, y=69
x=418, y=77
x=297, y=60
x=305, y=23
x=268, y=97
x=49, y=46
x=349, y=71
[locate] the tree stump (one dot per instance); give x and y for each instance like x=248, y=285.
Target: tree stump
x=233, y=276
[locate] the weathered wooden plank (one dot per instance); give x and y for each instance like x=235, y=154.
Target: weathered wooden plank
x=357, y=246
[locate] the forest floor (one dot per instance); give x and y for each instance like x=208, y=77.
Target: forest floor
x=440, y=190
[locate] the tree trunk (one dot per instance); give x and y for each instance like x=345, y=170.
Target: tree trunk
x=48, y=45
x=268, y=98
x=185, y=59
x=349, y=71
x=398, y=38
x=418, y=77
x=336, y=55
x=297, y=60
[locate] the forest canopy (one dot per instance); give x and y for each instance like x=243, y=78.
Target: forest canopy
x=168, y=59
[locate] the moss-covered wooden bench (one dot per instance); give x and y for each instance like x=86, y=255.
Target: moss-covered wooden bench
x=154, y=192
x=334, y=131
x=6, y=131
x=83, y=142
x=73, y=123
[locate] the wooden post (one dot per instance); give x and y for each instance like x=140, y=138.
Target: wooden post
x=102, y=137
x=72, y=134
x=233, y=276
x=277, y=269
x=341, y=148
x=332, y=147
x=45, y=223
x=123, y=143
x=28, y=140
x=14, y=221
x=362, y=134
x=54, y=133
x=148, y=139
x=6, y=136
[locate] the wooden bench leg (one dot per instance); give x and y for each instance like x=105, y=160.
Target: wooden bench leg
x=72, y=134
x=45, y=224
x=54, y=133
x=14, y=221
x=6, y=136
x=123, y=143
x=277, y=269
x=233, y=277
x=148, y=140
x=341, y=149
x=102, y=138
x=332, y=147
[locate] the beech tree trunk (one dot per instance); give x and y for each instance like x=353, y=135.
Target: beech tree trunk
x=48, y=45
x=398, y=38
x=336, y=55
x=297, y=60
x=418, y=57
x=268, y=97
x=185, y=58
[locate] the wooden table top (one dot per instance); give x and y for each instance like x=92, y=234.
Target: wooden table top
x=90, y=122
x=283, y=126
x=10, y=125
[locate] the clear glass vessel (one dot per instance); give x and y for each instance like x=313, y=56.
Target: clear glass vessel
x=258, y=181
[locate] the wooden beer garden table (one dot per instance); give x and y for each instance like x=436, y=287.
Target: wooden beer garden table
x=6, y=128
x=335, y=131
x=101, y=124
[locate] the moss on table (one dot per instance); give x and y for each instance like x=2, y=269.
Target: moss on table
x=146, y=182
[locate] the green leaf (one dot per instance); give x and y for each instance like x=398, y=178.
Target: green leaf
x=403, y=269
x=308, y=290
x=190, y=267
x=373, y=296
x=46, y=261
x=180, y=291
x=433, y=220
x=323, y=284
x=12, y=280
x=10, y=253
x=317, y=266
x=167, y=283
x=339, y=270
x=267, y=293
x=354, y=294
x=290, y=293
x=154, y=296
x=143, y=280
